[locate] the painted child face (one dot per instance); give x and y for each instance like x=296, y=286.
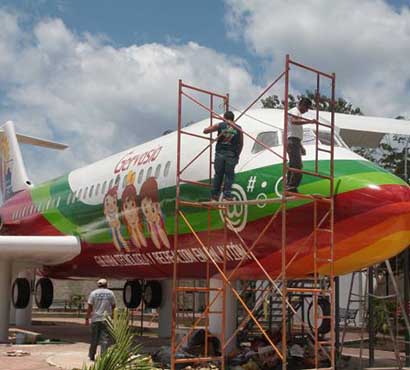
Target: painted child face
x=110, y=206
x=131, y=211
x=150, y=210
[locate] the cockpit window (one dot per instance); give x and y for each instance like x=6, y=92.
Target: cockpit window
x=268, y=138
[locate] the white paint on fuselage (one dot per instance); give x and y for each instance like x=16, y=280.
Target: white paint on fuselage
x=254, y=123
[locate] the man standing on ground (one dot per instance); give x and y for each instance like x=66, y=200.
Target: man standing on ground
x=295, y=138
x=229, y=145
x=101, y=303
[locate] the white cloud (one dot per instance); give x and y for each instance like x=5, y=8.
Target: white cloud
x=98, y=98
x=367, y=44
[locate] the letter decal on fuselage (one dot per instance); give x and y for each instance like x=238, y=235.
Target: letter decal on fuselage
x=131, y=159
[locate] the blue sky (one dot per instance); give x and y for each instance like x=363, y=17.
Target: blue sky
x=130, y=22
x=69, y=67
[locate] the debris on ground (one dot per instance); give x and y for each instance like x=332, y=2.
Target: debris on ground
x=16, y=353
x=194, y=348
x=258, y=354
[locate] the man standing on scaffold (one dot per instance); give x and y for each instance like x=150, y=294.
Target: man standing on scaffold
x=229, y=145
x=295, y=148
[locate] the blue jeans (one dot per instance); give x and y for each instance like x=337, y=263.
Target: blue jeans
x=224, y=165
x=99, y=335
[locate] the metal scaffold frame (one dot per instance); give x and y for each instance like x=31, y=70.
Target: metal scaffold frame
x=322, y=224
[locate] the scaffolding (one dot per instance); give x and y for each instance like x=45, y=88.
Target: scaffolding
x=321, y=241
x=383, y=307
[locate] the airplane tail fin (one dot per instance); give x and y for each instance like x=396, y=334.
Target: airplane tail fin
x=13, y=175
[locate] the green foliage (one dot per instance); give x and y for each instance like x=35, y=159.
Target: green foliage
x=389, y=155
x=124, y=354
x=341, y=105
x=384, y=312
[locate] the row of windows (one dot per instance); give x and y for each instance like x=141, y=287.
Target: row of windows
x=41, y=207
x=95, y=190
x=88, y=192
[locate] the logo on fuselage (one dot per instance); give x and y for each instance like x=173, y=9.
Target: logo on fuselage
x=237, y=214
x=132, y=159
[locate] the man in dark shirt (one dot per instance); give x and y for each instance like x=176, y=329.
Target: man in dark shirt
x=229, y=145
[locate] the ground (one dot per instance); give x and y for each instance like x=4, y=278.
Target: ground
x=74, y=341
x=70, y=354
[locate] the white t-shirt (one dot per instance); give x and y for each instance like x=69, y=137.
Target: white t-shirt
x=102, y=300
x=295, y=130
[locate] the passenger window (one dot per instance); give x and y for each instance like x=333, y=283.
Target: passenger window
x=110, y=185
x=48, y=205
x=69, y=198
x=85, y=192
x=140, y=176
x=157, y=171
x=91, y=191
x=166, y=169
x=97, y=189
x=80, y=192
x=269, y=139
x=149, y=172
x=124, y=182
x=117, y=180
x=58, y=202
x=103, y=188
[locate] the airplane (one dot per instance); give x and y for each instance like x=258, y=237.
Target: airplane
x=115, y=218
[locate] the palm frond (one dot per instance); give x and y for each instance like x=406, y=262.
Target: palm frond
x=124, y=354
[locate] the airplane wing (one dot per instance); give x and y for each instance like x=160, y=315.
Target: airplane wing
x=366, y=131
x=39, y=250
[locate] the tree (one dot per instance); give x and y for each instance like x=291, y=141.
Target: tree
x=341, y=105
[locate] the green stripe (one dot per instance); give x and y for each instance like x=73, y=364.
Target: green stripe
x=89, y=221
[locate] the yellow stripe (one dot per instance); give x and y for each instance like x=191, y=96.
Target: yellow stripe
x=383, y=249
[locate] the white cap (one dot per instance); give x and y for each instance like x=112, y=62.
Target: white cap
x=102, y=282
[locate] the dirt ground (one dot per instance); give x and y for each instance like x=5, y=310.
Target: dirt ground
x=69, y=354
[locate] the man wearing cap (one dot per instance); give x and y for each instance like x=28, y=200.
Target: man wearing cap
x=295, y=148
x=101, y=303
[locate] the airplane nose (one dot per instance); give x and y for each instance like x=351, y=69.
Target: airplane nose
x=371, y=197
x=372, y=224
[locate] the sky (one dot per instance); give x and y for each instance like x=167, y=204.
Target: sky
x=102, y=75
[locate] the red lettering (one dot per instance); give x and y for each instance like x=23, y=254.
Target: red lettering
x=155, y=154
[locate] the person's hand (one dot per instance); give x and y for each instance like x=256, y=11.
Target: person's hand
x=303, y=150
x=87, y=321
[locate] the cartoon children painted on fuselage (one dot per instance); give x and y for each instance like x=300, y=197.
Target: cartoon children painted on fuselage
x=152, y=212
x=131, y=213
x=112, y=217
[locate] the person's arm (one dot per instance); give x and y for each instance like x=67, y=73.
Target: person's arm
x=113, y=305
x=88, y=313
x=240, y=144
x=297, y=120
x=211, y=128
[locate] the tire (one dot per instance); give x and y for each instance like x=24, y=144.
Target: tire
x=44, y=293
x=132, y=294
x=152, y=294
x=21, y=293
x=323, y=310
